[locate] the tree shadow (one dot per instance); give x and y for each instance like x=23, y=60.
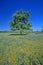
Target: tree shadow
x=16, y=34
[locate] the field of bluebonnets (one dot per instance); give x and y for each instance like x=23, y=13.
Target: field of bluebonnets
x=21, y=49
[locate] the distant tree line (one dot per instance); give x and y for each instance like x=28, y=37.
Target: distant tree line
x=4, y=31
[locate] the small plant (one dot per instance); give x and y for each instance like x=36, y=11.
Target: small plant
x=34, y=63
x=19, y=59
x=5, y=63
x=42, y=62
x=2, y=52
x=22, y=63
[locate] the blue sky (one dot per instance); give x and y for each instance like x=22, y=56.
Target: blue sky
x=8, y=7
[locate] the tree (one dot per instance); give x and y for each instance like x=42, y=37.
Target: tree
x=42, y=29
x=20, y=21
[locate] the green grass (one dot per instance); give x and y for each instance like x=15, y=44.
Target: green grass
x=18, y=49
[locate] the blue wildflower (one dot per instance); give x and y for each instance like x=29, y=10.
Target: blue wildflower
x=22, y=63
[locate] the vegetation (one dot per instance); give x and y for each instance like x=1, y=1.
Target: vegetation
x=5, y=31
x=20, y=21
x=42, y=29
x=21, y=49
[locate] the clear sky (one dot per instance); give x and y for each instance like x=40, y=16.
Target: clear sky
x=8, y=7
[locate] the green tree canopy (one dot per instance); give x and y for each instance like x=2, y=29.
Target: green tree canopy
x=20, y=21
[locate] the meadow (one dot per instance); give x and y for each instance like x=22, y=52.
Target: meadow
x=21, y=49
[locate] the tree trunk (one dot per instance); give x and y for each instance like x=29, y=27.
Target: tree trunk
x=21, y=32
